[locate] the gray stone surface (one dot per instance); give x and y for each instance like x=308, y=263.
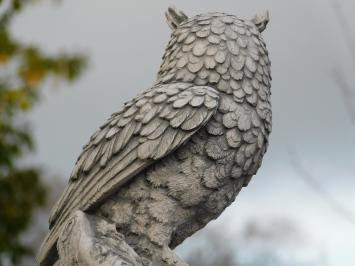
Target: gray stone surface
x=89, y=240
x=176, y=155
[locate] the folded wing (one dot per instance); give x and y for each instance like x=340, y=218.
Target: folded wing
x=148, y=128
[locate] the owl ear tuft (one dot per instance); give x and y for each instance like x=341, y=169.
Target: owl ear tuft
x=175, y=17
x=261, y=20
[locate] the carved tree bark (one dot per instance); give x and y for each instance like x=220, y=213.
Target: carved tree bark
x=88, y=240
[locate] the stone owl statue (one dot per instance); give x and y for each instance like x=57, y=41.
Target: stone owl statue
x=175, y=156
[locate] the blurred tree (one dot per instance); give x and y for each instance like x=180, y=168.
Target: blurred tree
x=215, y=251
x=23, y=69
x=275, y=242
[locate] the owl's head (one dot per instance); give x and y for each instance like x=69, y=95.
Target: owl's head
x=175, y=17
x=219, y=50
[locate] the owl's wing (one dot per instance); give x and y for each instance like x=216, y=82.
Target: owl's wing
x=148, y=128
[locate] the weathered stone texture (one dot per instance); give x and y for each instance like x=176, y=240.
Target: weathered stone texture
x=177, y=154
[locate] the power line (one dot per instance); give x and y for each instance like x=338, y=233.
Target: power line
x=347, y=94
x=345, y=28
x=318, y=188
x=345, y=89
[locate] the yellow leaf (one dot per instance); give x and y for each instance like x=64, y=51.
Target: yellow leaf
x=3, y=58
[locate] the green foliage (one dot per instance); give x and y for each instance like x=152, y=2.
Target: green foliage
x=21, y=192
x=23, y=69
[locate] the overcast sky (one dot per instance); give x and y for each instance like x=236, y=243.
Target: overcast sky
x=125, y=41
